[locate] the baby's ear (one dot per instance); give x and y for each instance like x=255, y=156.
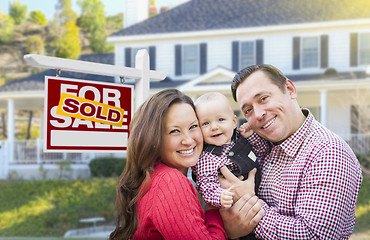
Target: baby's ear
x=235, y=120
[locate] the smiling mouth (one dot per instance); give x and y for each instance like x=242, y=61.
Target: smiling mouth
x=187, y=151
x=217, y=135
x=269, y=123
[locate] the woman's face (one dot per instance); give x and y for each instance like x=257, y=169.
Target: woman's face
x=182, y=139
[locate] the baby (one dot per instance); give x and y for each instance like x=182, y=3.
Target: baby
x=224, y=146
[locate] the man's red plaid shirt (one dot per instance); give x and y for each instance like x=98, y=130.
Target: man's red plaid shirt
x=310, y=184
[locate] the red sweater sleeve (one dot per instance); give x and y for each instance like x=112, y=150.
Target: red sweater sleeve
x=171, y=209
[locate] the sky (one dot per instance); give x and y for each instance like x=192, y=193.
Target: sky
x=47, y=7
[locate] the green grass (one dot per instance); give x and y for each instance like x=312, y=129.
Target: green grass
x=52, y=207
x=363, y=207
x=47, y=209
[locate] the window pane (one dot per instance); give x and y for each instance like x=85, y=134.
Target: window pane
x=247, y=54
x=364, y=49
x=310, y=52
x=190, y=59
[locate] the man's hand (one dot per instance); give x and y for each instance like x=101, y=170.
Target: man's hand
x=240, y=219
x=239, y=187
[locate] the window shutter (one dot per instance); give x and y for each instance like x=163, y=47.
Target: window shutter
x=259, y=51
x=128, y=57
x=324, y=51
x=235, y=56
x=296, y=52
x=354, y=50
x=203, y=58
x=152, y=57
x=177, y=60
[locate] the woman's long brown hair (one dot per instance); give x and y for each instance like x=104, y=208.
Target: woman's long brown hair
x=143, y=152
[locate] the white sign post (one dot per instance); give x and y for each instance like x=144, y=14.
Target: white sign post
x=141, y=73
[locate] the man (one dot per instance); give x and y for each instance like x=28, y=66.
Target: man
x=310, y=176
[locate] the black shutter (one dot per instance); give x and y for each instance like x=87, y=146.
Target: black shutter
x=324, y=51
x=354, y=50
x=235, y=56
x=128, y=57
x=152, y=57
x=259, y=51
x=203, y=58
x=178, y=60
x=296, y=52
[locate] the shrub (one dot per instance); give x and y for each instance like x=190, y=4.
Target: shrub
x=107, y=167
x=38, y=18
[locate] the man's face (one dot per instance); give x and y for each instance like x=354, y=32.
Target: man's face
x=269, y=111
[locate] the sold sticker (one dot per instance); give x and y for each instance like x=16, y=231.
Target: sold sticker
x=82, y=108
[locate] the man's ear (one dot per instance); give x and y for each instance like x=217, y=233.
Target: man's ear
x=291, y=89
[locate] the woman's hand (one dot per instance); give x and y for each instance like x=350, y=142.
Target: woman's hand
x=240, y=219
x=240, y=188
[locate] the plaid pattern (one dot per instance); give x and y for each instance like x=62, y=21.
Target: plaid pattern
x=310, y=184
x=207, y=170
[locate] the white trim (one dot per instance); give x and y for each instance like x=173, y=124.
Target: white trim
x=190, y=85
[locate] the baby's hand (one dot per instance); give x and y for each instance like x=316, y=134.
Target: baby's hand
x=226, y=198
x=245, y=130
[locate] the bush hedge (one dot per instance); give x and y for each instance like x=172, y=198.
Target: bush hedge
x=107, y=167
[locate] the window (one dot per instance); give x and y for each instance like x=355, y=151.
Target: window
x=310, y=52
x=190, y=59
x=247, y=54
x=364, y=48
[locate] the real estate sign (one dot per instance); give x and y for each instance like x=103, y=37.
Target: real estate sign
x=83, y=115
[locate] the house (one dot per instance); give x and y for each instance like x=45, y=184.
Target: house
x=322, y=46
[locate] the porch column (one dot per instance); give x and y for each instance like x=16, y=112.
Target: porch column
x=324, y=107
x=11, y=130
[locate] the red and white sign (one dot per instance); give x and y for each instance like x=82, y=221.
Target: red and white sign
x=83, y=115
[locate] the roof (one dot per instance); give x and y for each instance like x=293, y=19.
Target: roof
x=36, y=82
x=200, y=15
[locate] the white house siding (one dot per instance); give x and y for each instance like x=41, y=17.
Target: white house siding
x=219, y=52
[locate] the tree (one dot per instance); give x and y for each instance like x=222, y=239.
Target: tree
x=67, y=43
x=18, y=12
x=115, y=22
x=35, y=44
x=6, y=28
x=93, y=20
x=38, y=18
x=70, y=44
x=64, y=12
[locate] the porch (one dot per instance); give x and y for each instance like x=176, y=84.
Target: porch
x=31, y=162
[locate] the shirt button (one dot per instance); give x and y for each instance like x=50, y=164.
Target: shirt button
x=231, y=153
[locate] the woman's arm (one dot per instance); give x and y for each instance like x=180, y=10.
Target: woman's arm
x=178, y=214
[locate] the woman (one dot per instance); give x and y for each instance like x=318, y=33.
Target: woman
x=155, y=200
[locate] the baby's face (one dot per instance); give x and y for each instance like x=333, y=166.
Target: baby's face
x=217, y=122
